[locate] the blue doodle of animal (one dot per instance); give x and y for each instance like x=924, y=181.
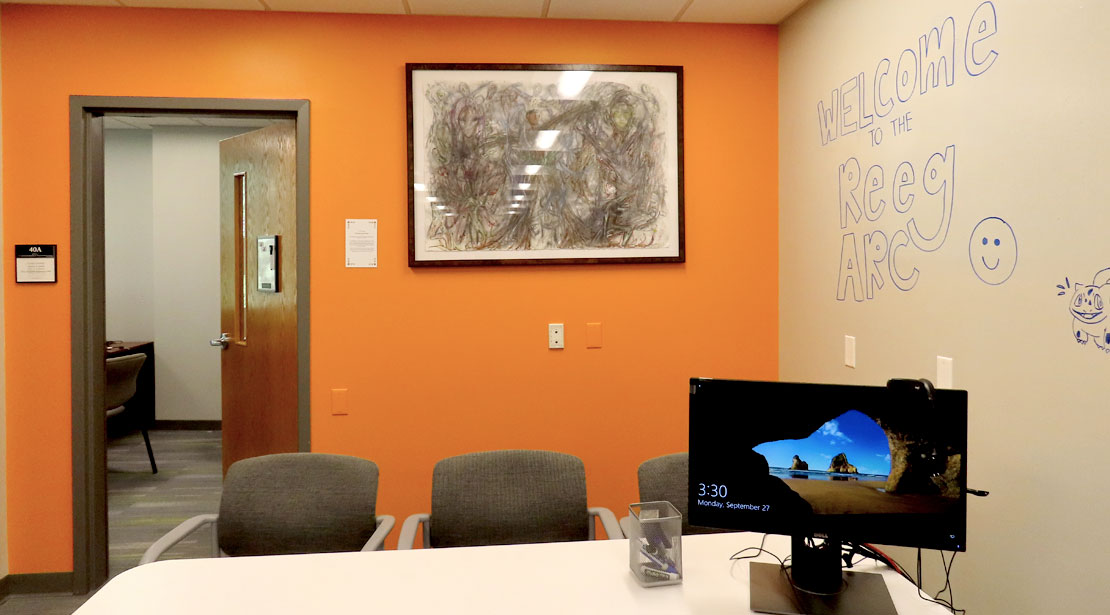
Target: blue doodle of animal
x=1088, y=307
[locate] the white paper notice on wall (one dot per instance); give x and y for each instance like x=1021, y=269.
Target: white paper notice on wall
x=362, y=243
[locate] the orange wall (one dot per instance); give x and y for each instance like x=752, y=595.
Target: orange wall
x=438, y=362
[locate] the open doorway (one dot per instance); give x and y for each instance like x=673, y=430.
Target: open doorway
x=89, y=334
x=162, y=301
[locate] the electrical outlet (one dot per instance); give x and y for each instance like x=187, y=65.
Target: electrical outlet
x=555, y=335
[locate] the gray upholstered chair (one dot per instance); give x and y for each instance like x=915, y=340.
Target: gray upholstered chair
x=121, y=377
x=507, y=497
x=291, y=503
x=666, y=478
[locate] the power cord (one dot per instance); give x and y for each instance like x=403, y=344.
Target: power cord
x=783, y=565
x=870, y=551
x=757, y=551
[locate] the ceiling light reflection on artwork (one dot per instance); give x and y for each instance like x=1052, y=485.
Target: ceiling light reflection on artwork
x=572, y=82
x=546, y=138
x=532, y=169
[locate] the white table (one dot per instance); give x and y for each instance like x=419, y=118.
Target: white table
x=569, y=577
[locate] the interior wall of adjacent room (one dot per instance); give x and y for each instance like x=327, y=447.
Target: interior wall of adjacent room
x=187, y=296
x=162, y=258
x=1015, y=129
x=128, y=235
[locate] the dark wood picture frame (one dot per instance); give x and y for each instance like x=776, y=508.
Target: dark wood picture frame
x=537, y=164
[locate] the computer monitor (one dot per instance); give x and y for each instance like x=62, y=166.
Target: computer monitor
x=841, y=463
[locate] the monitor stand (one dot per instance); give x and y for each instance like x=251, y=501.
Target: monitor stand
x=818, y=586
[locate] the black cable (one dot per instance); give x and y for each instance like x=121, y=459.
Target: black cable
x=783, y=566
x=947, y=579
x=759, y=551
x=949, y=604
x=919, y=582
x=870, y=551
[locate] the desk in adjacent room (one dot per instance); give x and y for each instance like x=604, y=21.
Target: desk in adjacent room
x=566, y=577
x=140, y=410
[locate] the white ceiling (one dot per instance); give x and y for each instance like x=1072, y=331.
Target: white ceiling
x=704, y=11
x=689, y=11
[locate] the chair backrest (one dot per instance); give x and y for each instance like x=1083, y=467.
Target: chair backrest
x=508, y=497
x=666, y=478
x=120, y=377
x=297, y=503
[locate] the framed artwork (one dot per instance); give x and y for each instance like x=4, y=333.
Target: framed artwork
x=514, y=164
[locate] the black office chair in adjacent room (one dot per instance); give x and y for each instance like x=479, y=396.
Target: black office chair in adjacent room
x=665, y=478
x=291, y=503
x=121, y=376
x=507, y=497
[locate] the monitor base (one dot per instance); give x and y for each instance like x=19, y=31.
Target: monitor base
x=863, y=594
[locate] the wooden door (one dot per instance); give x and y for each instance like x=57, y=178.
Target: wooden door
x=259, y=360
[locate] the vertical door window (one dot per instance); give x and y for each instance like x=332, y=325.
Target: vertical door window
x=241, y=257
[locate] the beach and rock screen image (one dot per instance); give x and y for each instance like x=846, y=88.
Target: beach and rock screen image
x=868, y=464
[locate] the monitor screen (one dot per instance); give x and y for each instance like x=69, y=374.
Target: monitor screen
x=875, y=464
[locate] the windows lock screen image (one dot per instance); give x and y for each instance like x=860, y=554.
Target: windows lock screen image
x=864, y=463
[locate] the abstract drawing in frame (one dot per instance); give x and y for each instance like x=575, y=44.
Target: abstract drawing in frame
x=544, y=164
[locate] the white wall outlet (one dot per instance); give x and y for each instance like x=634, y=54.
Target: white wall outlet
x=555, y=335
x=850, y=350
x=944, y=372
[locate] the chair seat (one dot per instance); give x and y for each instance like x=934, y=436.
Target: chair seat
x=121, y=376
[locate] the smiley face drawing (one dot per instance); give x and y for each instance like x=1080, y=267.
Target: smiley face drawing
x=993, y=250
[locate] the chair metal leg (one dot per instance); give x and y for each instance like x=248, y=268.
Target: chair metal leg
x=150, y=453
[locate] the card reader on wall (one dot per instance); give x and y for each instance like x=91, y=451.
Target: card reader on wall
x=268, y=259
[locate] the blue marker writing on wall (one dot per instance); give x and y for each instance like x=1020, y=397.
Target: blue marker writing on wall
x=1088, y=310
x=993, y=250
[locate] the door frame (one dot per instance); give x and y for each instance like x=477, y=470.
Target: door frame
x=87, y=319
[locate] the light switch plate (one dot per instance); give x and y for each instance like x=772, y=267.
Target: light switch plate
x=850, y=350
x=944, y=372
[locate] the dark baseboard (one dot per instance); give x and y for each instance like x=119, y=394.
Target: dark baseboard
x=187, y=425
x=36, y=583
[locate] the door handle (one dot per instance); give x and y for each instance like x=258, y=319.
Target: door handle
x=220, y=341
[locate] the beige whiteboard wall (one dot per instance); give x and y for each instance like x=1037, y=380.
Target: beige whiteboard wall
x=1008, y=144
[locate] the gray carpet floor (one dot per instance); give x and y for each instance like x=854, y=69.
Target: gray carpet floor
x=144, y=506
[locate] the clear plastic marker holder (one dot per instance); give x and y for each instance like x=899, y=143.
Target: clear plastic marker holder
x=655, y=543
